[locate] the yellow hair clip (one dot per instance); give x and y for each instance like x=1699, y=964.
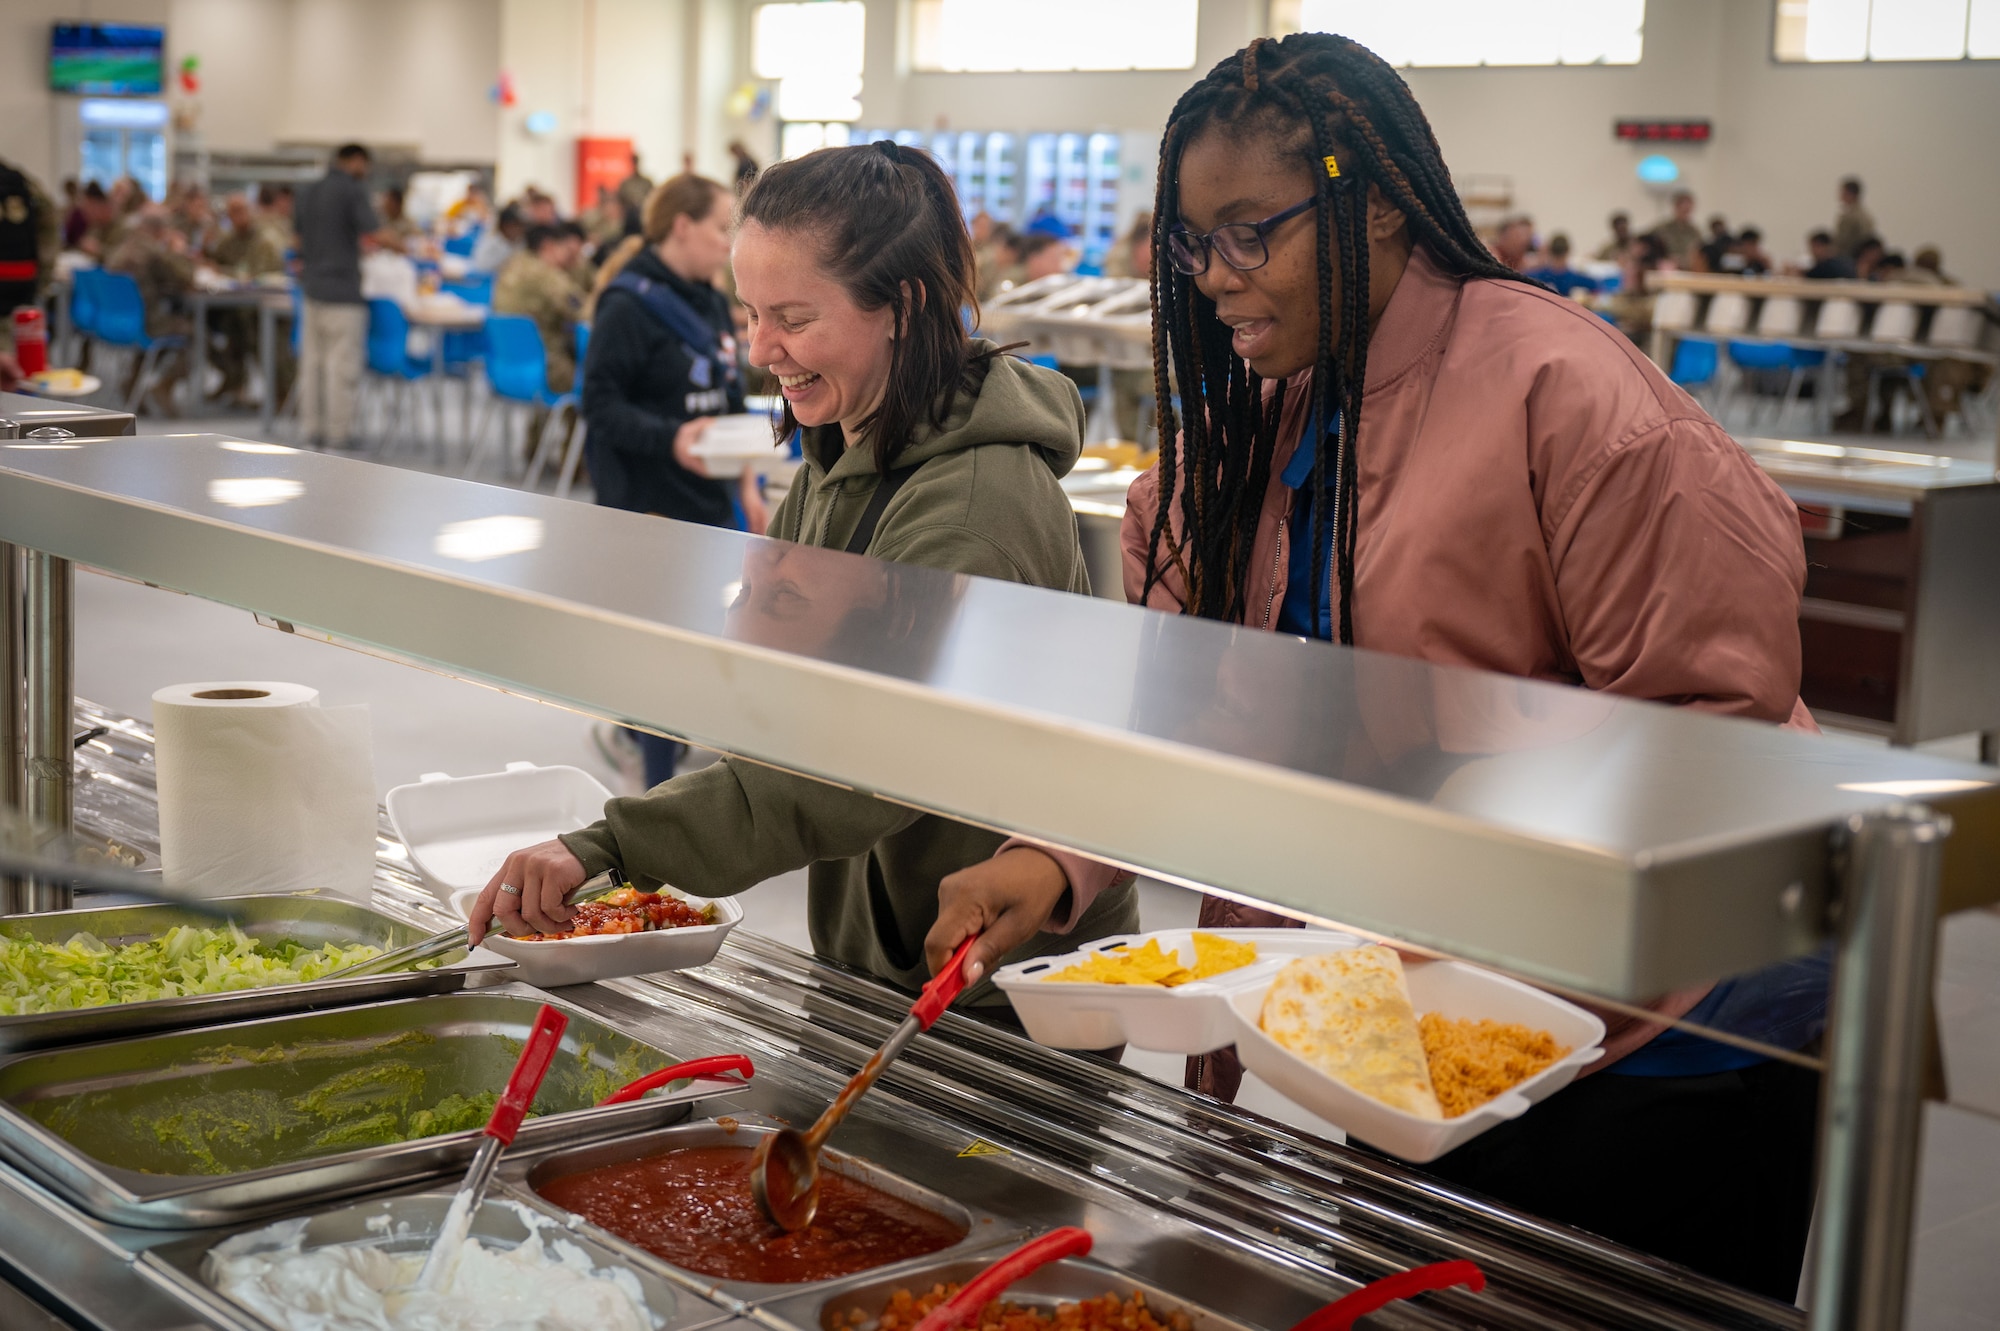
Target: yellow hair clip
x=1332, y=167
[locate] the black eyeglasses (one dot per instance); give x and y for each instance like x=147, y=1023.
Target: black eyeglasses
x=1241, y=244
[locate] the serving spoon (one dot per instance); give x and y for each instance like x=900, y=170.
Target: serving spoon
x=784, y=1169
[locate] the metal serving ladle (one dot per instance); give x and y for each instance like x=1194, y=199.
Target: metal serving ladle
x=784, y=1169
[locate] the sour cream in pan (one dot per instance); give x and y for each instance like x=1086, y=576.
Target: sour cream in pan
x=536, y=1286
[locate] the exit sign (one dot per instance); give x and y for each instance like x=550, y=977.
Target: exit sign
x=1662, y=131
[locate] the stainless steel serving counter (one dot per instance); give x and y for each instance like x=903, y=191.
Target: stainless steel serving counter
x=1220, y=1207
x=1616, y=846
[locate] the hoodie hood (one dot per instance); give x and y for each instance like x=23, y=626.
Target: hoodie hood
x=1017, y=403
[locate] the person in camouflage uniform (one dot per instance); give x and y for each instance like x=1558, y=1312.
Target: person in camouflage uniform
x=536, y=283
x=247, y=251
x=155, y=256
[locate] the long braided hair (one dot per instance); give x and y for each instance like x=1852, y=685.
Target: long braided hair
x=1325, y=98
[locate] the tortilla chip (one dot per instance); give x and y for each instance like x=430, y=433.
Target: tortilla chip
x=1152, y=964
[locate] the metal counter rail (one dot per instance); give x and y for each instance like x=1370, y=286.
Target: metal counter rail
x=1610, y=845
x=1179, y=1189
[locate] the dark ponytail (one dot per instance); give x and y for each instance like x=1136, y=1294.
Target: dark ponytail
x=885, y=224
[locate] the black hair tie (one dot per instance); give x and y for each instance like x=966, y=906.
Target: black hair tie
x=890, y=150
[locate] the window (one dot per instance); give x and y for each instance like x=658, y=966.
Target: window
x=1816, y=31
x=815, y=51
x=1438, y=33
x=1021, y=36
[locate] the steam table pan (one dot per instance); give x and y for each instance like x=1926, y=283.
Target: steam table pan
x=235, y=1123
x=522, y=1174
x=1066, y=1281
x=310, y=919
x=404, y=1224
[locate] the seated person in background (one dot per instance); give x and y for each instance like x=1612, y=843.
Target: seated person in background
x=1927, y=269
x=1827, y=260
x=1679, y=237
x=1043, y=255
x=274, y=215
x=1891, y=267
x=1513, y=241
x=1132, y=256
x=1632, y=307
x=394, y=216
x=1556, y=274
x=999, y=263
x=582, y=268
x=498, y=242
x=93, y=210
x=1751, y=260
x=536, y=283
x=604, y=221
x=155, y=256
x=1718, y=253
x=1613, y=250
x=246, y=251
x=1868, y=258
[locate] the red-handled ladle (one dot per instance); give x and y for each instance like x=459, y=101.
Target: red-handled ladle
x=784, y=1170
x=713, y=1065
x=529, y=1069
x=1342, y=1314
x=962, y=1308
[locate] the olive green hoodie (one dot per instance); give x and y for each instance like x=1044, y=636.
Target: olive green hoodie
x=983, y=499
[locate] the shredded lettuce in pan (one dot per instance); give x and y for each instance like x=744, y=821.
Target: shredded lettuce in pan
x=85, y=972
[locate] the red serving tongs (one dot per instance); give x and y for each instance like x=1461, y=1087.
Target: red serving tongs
x=1342, y=1314
x=962, y=1308
x=694, y=1067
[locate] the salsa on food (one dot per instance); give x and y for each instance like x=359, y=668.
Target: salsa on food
x=693, y=1208
x=629, y=911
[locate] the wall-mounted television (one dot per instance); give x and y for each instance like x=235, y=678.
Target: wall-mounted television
x=107, y=59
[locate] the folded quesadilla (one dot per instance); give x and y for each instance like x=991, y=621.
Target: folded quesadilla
x=1349, y=1014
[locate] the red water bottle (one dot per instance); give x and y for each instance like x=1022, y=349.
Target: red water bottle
x=31, y=340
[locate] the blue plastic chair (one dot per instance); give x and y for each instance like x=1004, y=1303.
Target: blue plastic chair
x=1696, y=362
x=464, y=245
x=517, y=372
x=83, y=302
x=1771, y=359
x=573, y=457
x=120, y=321
x=389, y=358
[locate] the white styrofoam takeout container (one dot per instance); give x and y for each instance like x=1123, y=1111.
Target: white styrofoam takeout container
x=460, y=830
x=1192, y=1018
x=1455, y=990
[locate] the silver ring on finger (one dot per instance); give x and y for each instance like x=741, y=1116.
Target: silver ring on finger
x=510, y=889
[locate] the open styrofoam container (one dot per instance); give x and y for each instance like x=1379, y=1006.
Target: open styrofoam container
x=1455, y=990
x=1191, y=1018
x=460, y=830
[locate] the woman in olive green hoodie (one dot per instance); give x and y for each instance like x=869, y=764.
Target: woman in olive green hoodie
x=922, y=446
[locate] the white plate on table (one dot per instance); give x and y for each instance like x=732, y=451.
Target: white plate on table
x=44, y=384
x=1192, y=1018
x=1453, y=989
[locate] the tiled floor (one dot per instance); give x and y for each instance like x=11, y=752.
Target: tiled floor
x=134, y=639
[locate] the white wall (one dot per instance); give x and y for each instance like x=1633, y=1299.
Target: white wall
x=610, y=68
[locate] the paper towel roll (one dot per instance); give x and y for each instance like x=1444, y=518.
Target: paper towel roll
x=263, y=790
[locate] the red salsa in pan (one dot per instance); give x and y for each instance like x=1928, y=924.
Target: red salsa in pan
x=693, y=1208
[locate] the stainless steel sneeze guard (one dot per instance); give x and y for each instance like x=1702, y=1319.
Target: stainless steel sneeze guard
x=1619, y=847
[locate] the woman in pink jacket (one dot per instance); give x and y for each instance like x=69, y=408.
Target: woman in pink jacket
x=1388, y=439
